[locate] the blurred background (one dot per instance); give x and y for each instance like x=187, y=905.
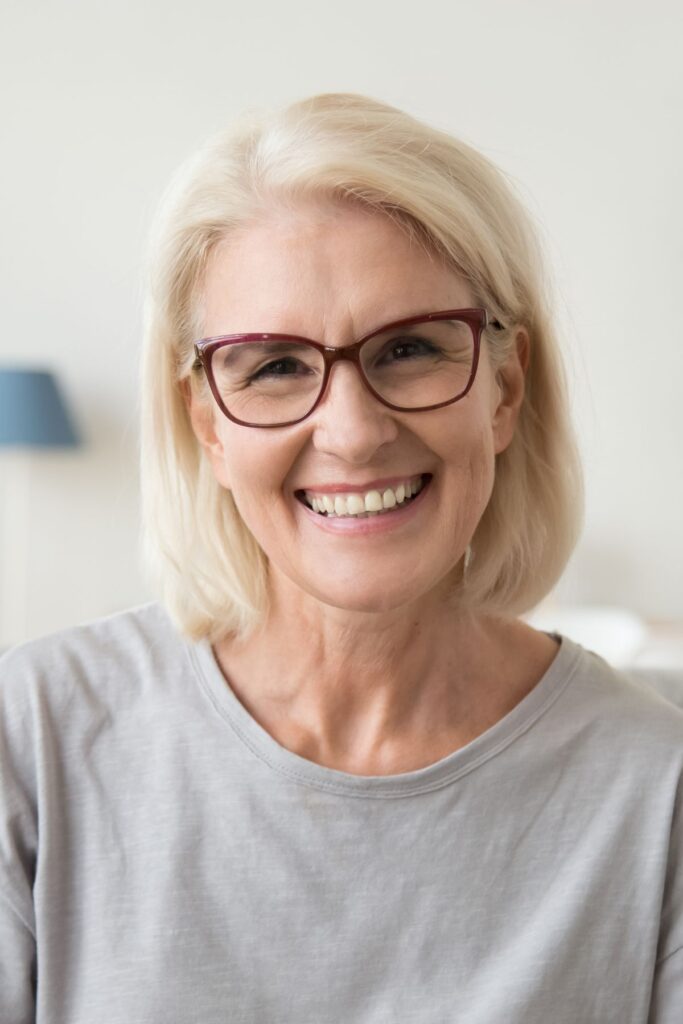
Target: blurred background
x=579, y=103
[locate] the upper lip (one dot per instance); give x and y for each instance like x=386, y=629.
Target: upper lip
x=350, y=488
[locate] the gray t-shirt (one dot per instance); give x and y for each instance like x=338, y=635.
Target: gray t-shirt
x=163, y=859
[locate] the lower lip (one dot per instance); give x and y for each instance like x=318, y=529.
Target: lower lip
x=370, y=525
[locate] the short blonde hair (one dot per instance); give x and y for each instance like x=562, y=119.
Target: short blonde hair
x=208, y=569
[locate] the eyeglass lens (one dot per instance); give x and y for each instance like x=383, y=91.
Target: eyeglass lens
x=276, y=381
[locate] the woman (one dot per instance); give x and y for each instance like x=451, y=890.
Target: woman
x=333, y=777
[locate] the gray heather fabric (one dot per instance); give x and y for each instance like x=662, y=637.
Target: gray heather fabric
x=163, y=859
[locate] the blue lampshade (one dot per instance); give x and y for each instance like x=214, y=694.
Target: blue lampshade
x=32, y=411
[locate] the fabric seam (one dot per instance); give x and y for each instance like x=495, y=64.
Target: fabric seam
x=667, y=956
x=413, y=790
x=15, y=909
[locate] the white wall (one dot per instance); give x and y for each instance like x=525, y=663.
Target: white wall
x=580, y=102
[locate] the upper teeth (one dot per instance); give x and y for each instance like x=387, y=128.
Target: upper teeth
x=366, y=503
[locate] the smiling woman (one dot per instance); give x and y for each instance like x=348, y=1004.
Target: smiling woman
x=331, y=776
x=298, y=180
x=350, y=433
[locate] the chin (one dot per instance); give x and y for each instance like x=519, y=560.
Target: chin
x=366, y=585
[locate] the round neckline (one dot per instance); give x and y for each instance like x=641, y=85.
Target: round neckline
x=434, y=776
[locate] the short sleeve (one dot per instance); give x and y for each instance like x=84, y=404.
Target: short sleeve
x=18, y=835
x=667, y=994
x=17, y=966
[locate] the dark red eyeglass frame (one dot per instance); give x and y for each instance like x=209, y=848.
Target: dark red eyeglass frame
x=477, y=320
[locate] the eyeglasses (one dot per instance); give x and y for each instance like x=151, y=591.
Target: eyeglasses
x=411, y=365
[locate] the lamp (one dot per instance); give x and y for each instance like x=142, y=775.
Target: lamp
x=32, y=415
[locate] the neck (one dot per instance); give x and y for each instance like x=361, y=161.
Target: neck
x=373, y=693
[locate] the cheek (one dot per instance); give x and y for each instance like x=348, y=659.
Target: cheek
x=243, y=460
x=256, y=467
x=221, y=473
x=471, y=465
x=480, y=469
x=483, y=471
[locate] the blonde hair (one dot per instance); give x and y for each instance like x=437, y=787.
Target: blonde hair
x=210, y=572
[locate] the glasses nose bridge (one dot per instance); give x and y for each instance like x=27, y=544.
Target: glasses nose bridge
x=348, y=353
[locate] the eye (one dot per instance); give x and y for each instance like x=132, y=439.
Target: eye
x=287, y=366
x=408, y=347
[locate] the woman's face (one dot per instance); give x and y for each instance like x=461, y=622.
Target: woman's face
x=334, y=273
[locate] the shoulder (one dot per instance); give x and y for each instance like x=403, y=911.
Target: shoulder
x=107, y=653
x=631, y=736
x=619, y=709
x=590, y=697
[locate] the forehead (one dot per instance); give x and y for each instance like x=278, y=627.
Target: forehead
x=333, y=271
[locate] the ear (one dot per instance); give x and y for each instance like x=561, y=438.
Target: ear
x=510, y=378
x=202, y=415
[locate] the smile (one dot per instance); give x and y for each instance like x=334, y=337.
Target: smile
x=363, y=504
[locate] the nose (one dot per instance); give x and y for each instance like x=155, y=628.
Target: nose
x=350, y=422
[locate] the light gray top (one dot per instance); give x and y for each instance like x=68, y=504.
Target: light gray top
x=163, y=859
